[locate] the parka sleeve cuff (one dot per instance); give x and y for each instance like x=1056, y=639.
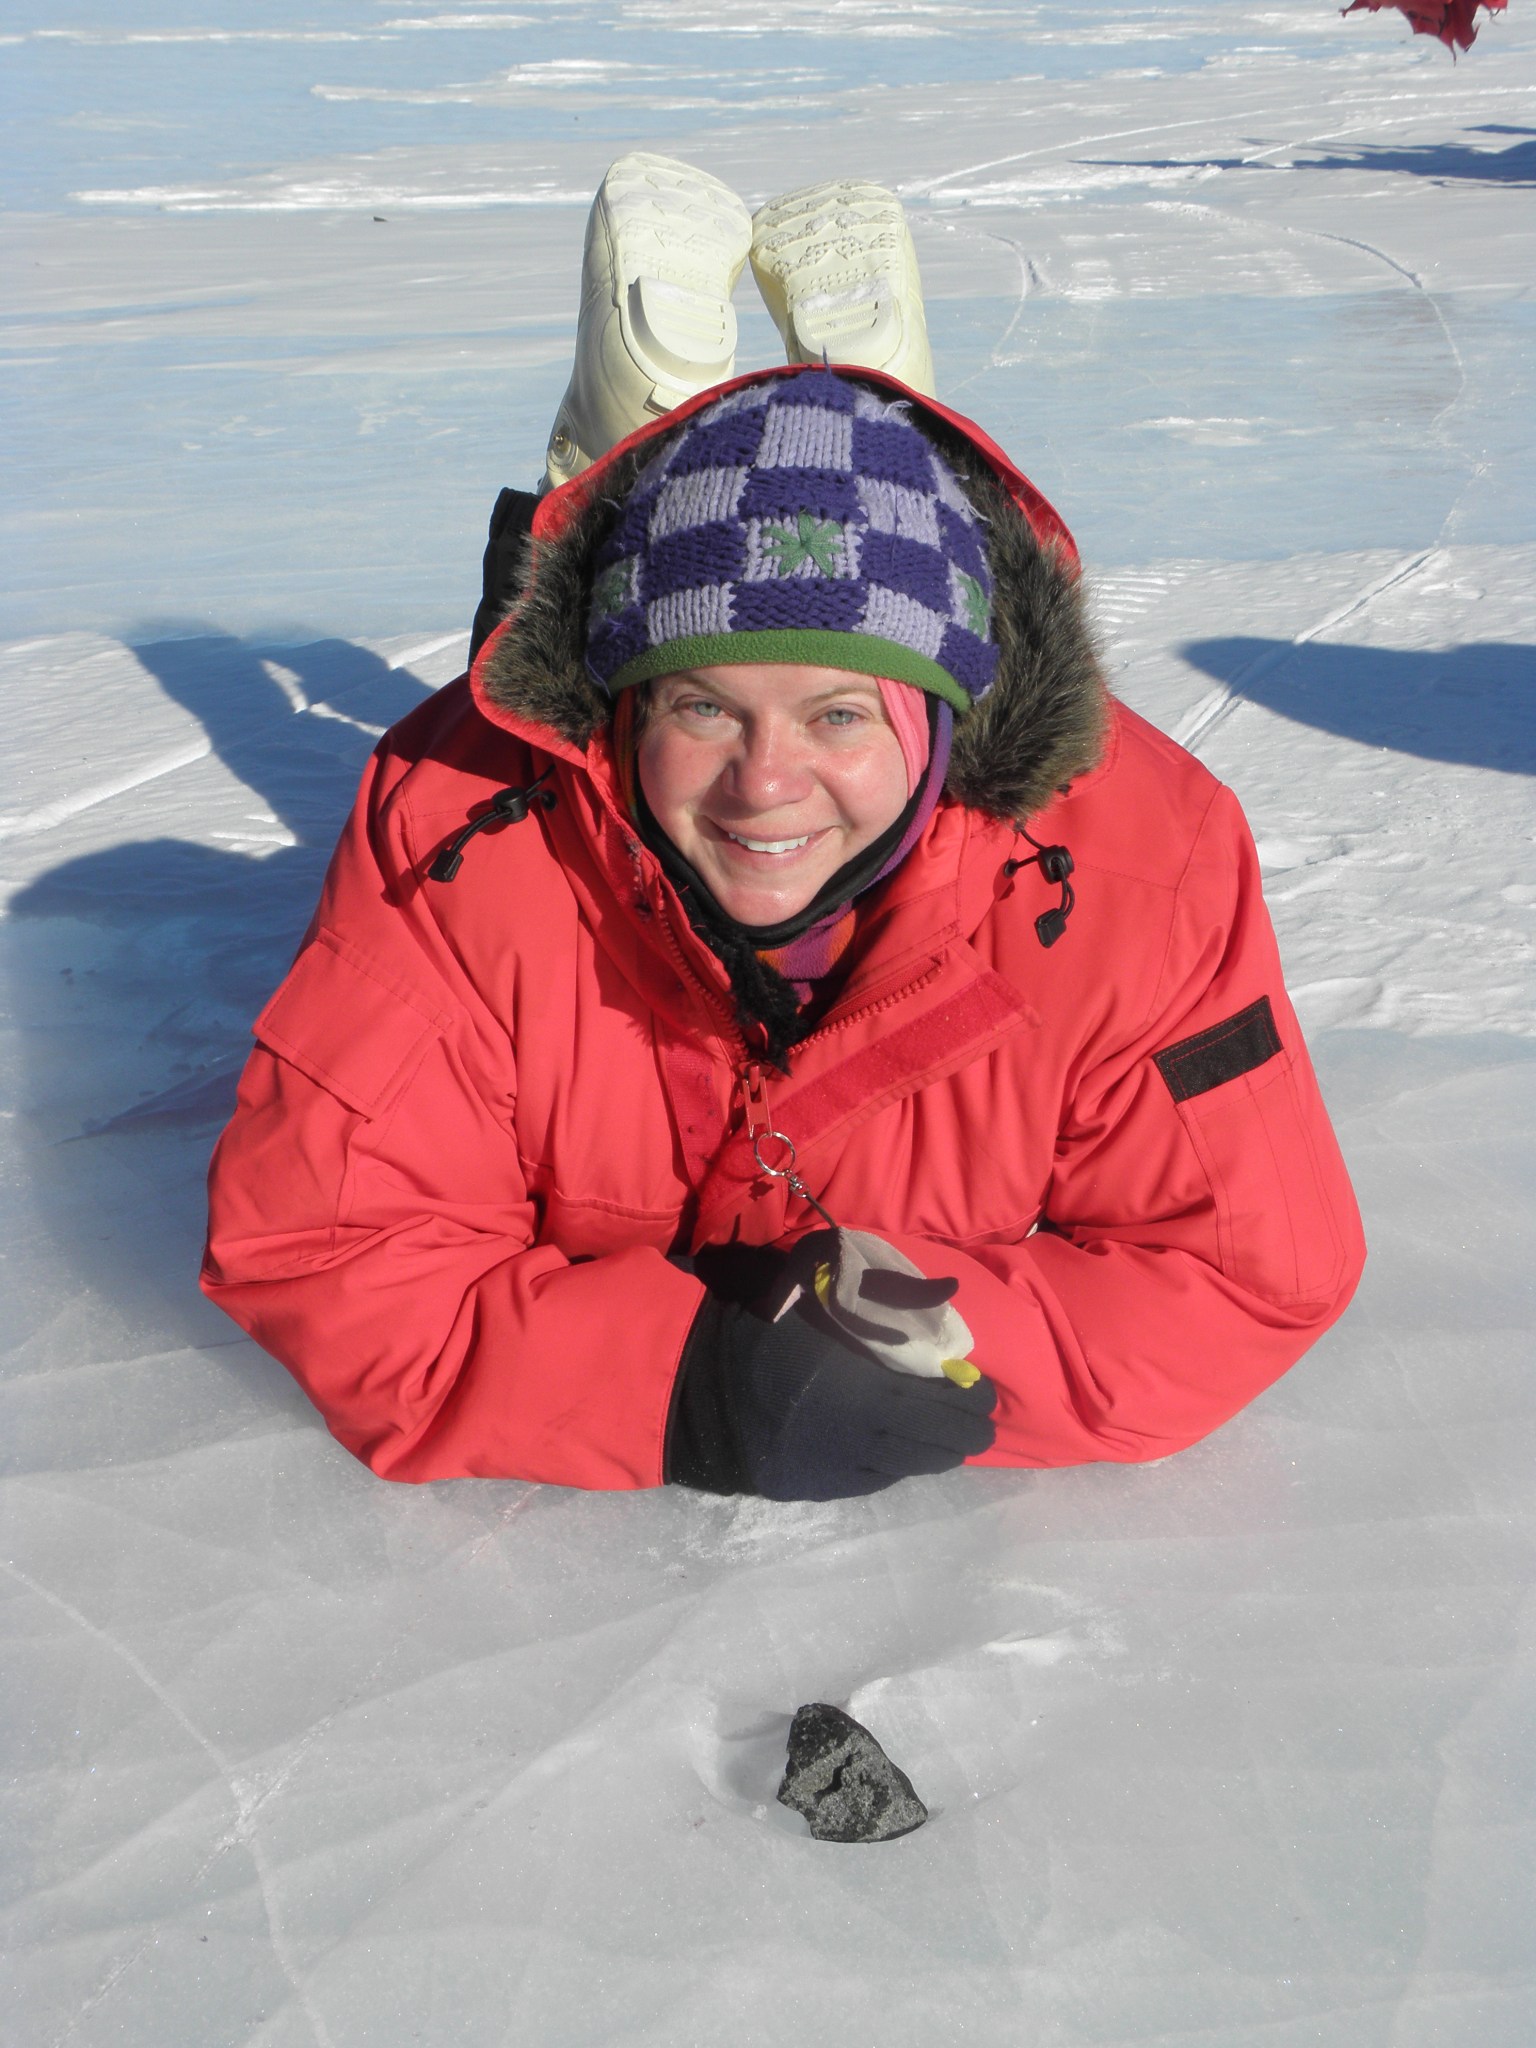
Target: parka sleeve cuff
x=1091, y=1350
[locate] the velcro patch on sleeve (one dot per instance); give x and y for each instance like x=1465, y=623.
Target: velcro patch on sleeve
x=1236, y=1046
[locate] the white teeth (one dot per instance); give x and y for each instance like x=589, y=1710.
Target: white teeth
x=769, y=845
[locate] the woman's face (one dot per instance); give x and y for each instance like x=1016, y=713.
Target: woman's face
x=768, y=778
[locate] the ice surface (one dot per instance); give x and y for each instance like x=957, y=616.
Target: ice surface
x=1231, y=1750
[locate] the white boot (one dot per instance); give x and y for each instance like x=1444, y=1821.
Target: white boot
x=665, y=246
x=837, y=270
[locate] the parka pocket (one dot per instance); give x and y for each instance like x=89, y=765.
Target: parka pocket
x=350, y=1024
x=1276, y=1229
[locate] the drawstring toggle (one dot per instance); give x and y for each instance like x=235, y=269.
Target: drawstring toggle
x=507, y=807
x=1055, y=864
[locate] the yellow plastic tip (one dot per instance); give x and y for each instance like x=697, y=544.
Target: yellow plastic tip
x=961, y=1371
x=823, y=1283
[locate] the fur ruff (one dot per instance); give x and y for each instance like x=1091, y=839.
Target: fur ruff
x=1040, y=725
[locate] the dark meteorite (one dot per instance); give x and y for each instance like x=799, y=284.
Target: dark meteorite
x=840, y=1778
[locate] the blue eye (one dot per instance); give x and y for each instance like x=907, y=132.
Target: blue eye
x=844, y=717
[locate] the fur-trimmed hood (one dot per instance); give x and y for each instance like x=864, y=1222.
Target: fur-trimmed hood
x=1040, y=725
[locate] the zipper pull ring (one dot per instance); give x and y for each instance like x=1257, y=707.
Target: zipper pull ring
x=785, y=1171
x=754, y=1091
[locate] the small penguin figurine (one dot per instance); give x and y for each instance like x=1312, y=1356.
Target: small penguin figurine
x=880, y=1301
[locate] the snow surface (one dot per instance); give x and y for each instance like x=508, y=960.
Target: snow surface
x=1235, y=1750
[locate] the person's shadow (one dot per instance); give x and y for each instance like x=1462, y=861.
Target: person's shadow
x=185, y=942
x=1515, y=165
x=1449, y=161
x=1474, y=704
x=231, y=921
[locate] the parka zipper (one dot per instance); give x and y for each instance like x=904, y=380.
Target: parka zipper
x=773, y=1149
x=756, y=1115
x=751, y=1076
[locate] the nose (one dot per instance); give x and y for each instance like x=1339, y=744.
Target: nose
x=769, y=768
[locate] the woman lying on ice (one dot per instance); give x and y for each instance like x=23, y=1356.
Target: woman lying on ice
x=779, y=984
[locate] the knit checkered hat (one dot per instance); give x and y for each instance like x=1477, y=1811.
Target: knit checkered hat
x=805, y=520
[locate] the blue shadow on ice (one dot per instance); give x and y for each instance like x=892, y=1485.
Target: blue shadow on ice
x=150, y=959
x=220, y=926
x=1515, y=165
x=1474, y=705
x=154, y=956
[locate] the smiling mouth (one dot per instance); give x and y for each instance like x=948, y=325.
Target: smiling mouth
x=770, y=845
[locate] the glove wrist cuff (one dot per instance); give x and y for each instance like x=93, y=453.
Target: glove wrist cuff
x=703, y=1449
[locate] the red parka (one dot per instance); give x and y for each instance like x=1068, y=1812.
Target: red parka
x=480, y=1115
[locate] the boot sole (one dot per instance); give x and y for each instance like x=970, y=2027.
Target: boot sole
x=677, y=243
x=665, y=245
x=837, y=270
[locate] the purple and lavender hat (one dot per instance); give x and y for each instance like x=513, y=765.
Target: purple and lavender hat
x=805, y=520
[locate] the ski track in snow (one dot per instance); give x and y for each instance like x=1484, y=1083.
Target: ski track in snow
x=1230, y=1748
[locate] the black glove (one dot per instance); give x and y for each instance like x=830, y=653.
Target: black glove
x=790, y=1411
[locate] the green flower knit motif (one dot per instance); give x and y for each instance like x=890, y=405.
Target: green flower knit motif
x=977, y=610
x=613, y=589
x=817, y=541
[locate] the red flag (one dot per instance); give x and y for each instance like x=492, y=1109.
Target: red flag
x=1450, y=20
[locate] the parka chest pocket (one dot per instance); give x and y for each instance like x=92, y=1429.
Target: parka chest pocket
x=351, y=1025
x=1238, y=1097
